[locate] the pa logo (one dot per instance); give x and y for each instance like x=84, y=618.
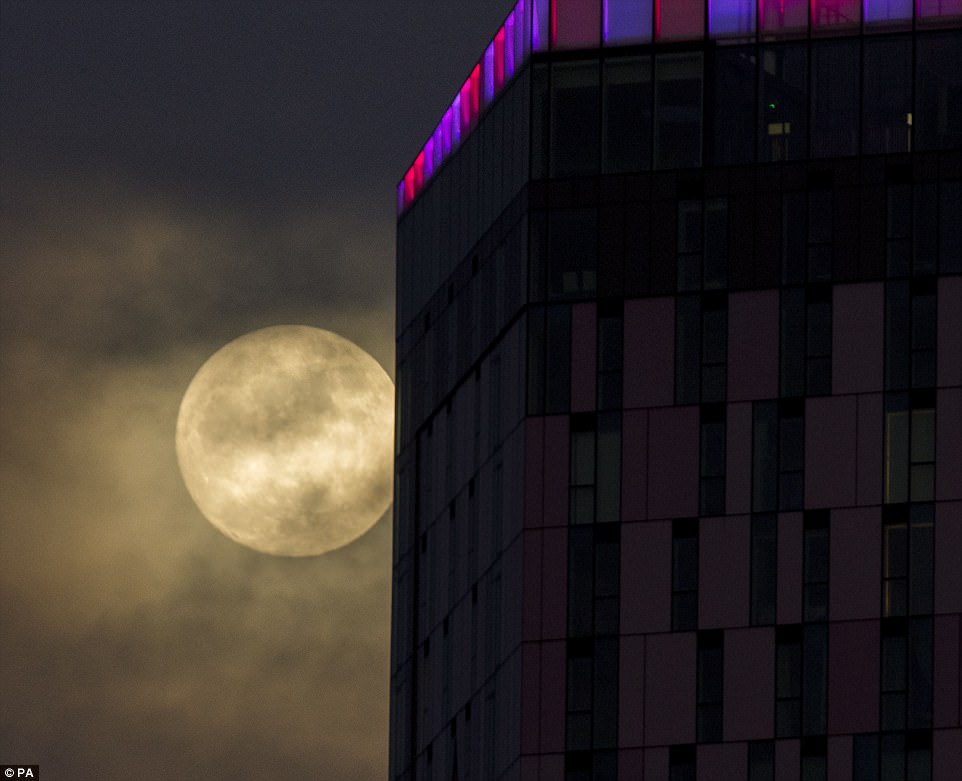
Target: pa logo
x=21, y=771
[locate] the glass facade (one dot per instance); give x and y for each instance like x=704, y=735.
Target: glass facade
x=679, y=432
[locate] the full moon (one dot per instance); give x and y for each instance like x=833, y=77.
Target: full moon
x=285, y=440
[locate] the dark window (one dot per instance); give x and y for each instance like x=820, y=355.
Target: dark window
x=595, y=468
x=733, y=138
x=764, y=571
x=610, y=356
x=684, y=575
x=907, y=559
x=835, y=98
x=702, y=244
x=681, y=763
x=701, y=348
x=815, y=566
x=938, y=92
x=788, y=681
x=865, y=758
x=906, y=700
x=910, y=334
x=783, y=94
x=898, y=230
x=594, y=574
x=608, y=472
x=886, y=95
x=806, y=341
x=761, y=760
x=814, y=679
x=713, y=446
x=807, y=235
x=579, y=694
x=814, y=759
x=710, y=680
x=582, y=470
x=950, y=227
x=592, y=699
x=678, y=110
x=574, y=118
x=909, y=448
x=572, y=252
x=627, y=115
x=778, y=455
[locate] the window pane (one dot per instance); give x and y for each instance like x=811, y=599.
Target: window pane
x=609, y=467
x=939, y=11
x=865, y=758
x=783, y=117
x=678, y=110
x=835, y=98
x=761, y=760
x=688, y=349
x=896, y=457
x=835, y=15
x=764, y=457
x=884, y=14
x=763, y=569
x=781, y=18
x=733, y=137
x=923, y=435
x=679, y=20
x=574, y=118
x=573, y=248
x=815, y=662
x=892, y=758
x=627, y=115
x=938, y=88
x=627, y=21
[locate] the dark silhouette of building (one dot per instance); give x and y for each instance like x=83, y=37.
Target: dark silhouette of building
x=679, y=360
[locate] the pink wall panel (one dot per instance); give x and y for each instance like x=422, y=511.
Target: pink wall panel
x=830, y=451
x=789, y=588
x=631, y=691
x=530, y=698
x=554, y=583
x=584, y=348
x=577, y=24
x=531, y=597
x=753, y=345
x=868, y=470
x=646, y=600
x=634, y=465
x=556, y=470
x=788, y=756
x=948, y=655
x=670, y=689
x=631, y=765
x=649, y=361
x=738, y=464
x=533, y=471
x=948, y=444
x=553, y=697
x=673, y=462
x=749, y=691
x=855, y=554
x=839, y=758
x=946, y=754
x=950, y=331
x=857, y=327
x=721, y=762
x=853, y=676
x=948, y=554
x=723, y=561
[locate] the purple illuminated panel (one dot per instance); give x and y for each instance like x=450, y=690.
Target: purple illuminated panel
x=540, y=24
x=782, y=18
x=575, y=24
x=930, y=12
x=832, y=15
x=731, y=18
x=887, y=12
x=489, y=74
x=626, y=21
x=429, y=158
x=679, y=20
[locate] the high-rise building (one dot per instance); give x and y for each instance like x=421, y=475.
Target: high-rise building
x=679, y=360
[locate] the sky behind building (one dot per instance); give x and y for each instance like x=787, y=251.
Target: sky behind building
x=172, y=176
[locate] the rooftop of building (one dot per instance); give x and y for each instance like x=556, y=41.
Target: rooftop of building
x=535, y=26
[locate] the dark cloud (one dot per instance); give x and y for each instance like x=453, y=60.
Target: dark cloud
x=174, y=175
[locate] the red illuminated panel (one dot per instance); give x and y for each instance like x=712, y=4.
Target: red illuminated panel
x=475, y=82
x=575, y=24
x=679, y=20
x=499, y=60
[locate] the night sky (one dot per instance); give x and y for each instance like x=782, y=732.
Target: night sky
x=174, y=175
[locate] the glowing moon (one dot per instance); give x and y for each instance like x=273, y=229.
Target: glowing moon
x=285, y=440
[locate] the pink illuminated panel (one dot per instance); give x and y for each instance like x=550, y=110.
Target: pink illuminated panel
x=831, y=15
x=731, y=18
x=938, y=11
x=626, y=21
x=498, y=75
x=679, y=20
x=575, y=24
x=777, y=18
x=887, y=12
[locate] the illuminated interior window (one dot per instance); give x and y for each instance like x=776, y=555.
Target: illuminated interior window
x=879, y=13
x=540, y=15
x=938, y=11
x=731, y=18
x=489, y=74
x=835, y=14
x=626, y=21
